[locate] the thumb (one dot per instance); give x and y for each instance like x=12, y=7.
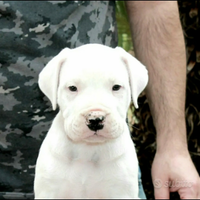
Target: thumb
x=186, y=195
x=161, y=190
x=189, y=192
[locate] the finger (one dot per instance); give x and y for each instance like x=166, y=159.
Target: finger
x=161, y=191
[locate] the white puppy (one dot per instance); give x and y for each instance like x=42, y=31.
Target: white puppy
x=88, y=151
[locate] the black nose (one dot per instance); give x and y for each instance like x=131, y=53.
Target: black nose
x=95, y=124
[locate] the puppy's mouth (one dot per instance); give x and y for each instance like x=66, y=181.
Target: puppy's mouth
x=96, y=125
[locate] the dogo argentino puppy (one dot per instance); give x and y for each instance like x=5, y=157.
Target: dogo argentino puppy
x=88, y=151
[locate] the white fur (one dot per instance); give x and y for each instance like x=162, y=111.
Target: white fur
x=74, y=161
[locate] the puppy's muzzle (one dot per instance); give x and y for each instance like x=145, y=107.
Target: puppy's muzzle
x=95, y=120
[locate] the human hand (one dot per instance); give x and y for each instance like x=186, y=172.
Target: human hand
x=175, y=172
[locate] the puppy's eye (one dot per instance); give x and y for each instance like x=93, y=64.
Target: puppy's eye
x=73, y=88
x=116, y=87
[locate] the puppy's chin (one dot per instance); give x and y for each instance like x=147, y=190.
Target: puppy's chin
x=90, y=137
x=95, y=139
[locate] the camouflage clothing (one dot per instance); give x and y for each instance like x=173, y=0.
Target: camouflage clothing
x=31, y=33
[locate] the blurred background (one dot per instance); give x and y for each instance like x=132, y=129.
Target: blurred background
x=143, y=132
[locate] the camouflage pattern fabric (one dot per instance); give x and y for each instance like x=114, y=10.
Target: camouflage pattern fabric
x=31, y=33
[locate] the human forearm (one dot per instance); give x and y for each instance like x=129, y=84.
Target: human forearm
x=159, y=44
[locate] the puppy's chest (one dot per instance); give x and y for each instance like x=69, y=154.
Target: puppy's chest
x=84, y=157
x=91, y=173
x=86, y=175
x=84, y=166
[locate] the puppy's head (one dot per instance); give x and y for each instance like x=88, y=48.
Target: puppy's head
x=92, y=85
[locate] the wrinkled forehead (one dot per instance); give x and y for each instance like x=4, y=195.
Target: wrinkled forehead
x=94, y=66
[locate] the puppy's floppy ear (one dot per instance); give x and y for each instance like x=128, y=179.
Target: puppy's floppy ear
x=49, y=76
x=138, y=74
